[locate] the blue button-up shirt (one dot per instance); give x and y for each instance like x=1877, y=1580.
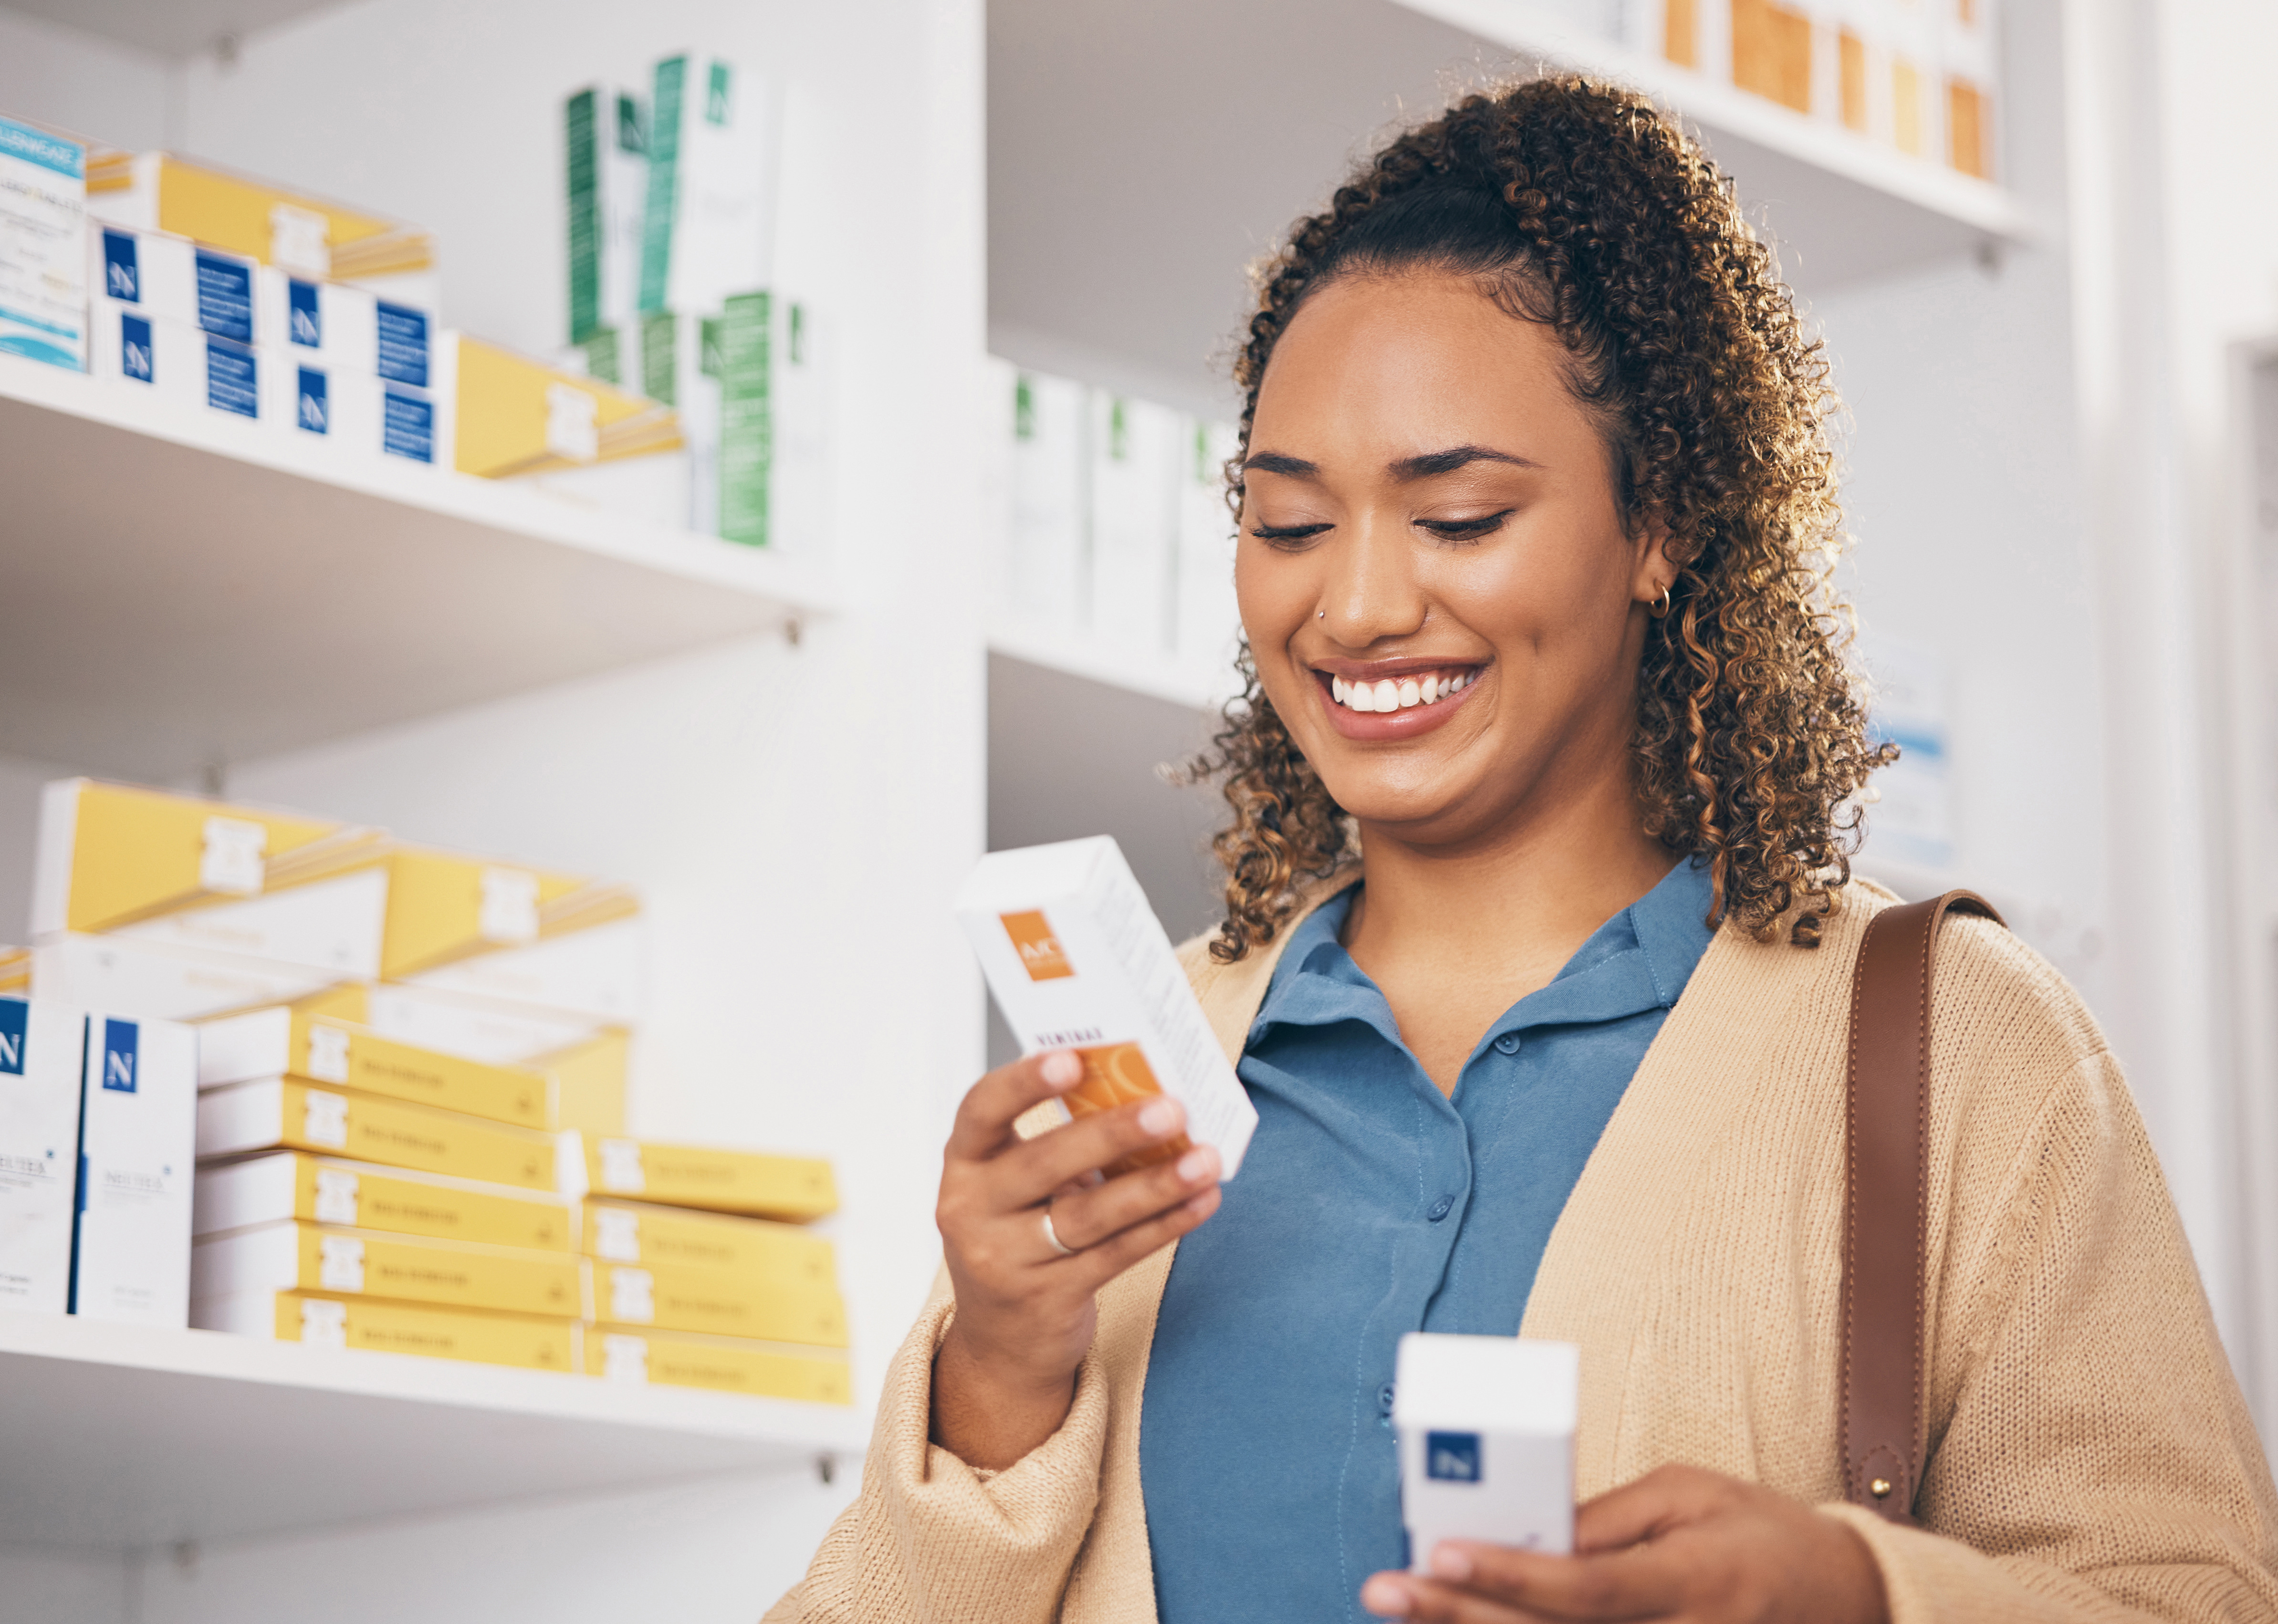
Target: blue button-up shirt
x=1370, y=1204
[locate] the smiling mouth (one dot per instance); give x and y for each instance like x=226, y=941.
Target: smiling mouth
x=1400, y=693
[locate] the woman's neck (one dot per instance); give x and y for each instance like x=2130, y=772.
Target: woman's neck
x=1453, y=937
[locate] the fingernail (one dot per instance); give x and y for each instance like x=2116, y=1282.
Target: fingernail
x=1160, y=1117
x=1062, y=1069
x=1198, y=1165
x=1449, y=1563
x=1388, y=1598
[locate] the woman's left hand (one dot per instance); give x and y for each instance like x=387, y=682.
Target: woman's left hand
x=1677, y=1544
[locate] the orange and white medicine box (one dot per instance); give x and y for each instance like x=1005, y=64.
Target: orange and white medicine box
x=1487, y=1441
x=1077, y=960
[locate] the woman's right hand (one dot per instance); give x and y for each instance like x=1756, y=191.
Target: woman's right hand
x=1005, y=1371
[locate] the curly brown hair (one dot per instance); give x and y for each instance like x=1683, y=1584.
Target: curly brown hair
x=1582, y=207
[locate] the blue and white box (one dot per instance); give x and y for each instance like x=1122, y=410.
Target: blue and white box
x=43, y=263
x=335, y=325
x=40, y=1044
x=138, y=1148
x=172, y=279
x=176, y=361
x=1487, y=1441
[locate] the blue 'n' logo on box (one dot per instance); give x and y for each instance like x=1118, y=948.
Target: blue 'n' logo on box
x=134, y=348
x=12, y=1014
x=313, y=414
x=122, y=1045
x=307, y=323
x=122, y=273
x=1452, y=1457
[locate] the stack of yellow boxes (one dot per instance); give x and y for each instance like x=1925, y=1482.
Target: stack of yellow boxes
x=410, y=1060
x=703, y=1277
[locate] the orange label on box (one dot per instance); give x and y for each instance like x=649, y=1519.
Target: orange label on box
x=1116, y=1074
x=1040, y=952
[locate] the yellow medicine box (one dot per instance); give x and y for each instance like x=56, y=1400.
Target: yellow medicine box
x=451, y=1274
x=290, y=1184
x=718, y=1303
x=313, y=1321
x=319, y=1049
x=284, y=1114
x=718, y=1363
x=744, y=1182
x=756, y=1248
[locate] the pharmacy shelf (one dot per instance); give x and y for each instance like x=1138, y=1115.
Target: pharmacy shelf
x=127, y=1436
x=1187, y=683
x=1841, y=206
x=182, y=588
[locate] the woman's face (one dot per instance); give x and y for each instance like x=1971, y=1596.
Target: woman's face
x=1442, y=602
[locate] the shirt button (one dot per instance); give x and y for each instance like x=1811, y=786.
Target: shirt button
x=1509, y=1043
x=1441, y=1207
x=1384, y=1399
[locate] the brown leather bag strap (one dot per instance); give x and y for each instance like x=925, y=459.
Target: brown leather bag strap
x=1885, y=1203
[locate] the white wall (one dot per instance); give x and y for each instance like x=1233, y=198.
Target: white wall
x=92, y=87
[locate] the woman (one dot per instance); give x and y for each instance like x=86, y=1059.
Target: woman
x=1536, y=964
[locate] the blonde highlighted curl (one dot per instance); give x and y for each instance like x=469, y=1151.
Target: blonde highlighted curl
x=1750, y=744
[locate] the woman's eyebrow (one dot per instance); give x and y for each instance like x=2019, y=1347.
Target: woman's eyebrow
x=1432, y=464
x=1275, y=463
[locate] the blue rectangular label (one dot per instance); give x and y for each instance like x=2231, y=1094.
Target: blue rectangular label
x=21, y=140
x=314, y=412
x=226, y=296
x=305, y=316
x=231, y=382
x=134, y=359
x=1452, y=1457
x=408, y=426
x=402, y=357
x=14, y=1012
x=122, y=269
x=122, y=1046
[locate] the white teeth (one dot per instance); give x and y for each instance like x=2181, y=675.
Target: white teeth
x=1398, y=693
x=1339, y=690
x=1387, y=695
x=1410, y=693
x=1431, y=691
x=1360, y=696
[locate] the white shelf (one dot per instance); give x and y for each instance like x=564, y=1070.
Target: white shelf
x=1203, y=687
x=1843, y=207
x=183, y=588
x=124, y=1436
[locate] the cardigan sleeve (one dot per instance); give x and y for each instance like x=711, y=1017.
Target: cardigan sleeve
x=929, y=1538
x=2092, y=1455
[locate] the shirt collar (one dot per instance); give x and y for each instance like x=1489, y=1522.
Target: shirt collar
x=1638, y=959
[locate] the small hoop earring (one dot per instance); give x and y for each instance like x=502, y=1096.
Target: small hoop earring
x=1661, y=606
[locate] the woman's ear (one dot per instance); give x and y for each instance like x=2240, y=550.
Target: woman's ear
x=1653, y=573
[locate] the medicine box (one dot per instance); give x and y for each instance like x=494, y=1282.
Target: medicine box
x=749, y=1183
x=1134, y=520
x=311, y=1257
x=137, y=1131
x=1209, y=618
x=297, y=232
x=146, y=980
x=1485, y=1426
x=385, y=1327
x=1077, y=960
x=759, y=1250
x=285, y=1042
x=605, y=161
x=42, y=1044
x=708, y=225
x=666, y=1360
x=510, y=413
x=283, y=1115
x=1048, y=474
x=718, y=1302
x=549, y=942
x=175, y=363
x=182, y=871
x=289, y=1185
x=161, y=277
x=44, y=291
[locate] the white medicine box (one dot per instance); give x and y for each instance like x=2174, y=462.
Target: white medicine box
x=138, y=1145
x=40, y=1044
x=1487, y=1441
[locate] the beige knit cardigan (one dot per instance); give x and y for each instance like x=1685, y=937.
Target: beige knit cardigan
x=2090, y=1457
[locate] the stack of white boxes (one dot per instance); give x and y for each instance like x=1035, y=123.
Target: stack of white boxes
x=217, y=292
x=1115, y=524
x=670, y=255
x=97, y=1124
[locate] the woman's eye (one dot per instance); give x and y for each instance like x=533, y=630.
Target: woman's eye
x=1286, y=535
x=1465, y=530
